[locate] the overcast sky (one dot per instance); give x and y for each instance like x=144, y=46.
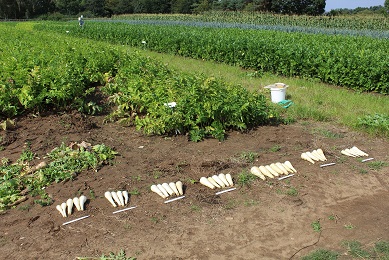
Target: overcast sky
x=351, y=4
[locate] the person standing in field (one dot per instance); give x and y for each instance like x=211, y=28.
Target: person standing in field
x=81, y=21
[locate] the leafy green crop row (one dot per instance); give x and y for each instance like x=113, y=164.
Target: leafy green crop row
x=161, y=101
x=378, y=23
x=376, y=27
x=48, y=71
x=55, y=73
x=360, y=63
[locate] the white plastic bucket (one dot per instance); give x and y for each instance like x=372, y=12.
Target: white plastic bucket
x=277, y=92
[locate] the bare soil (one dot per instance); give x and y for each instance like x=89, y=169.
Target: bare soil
x=266, y=220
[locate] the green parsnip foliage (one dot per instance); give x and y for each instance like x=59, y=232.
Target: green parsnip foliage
x=46, y=70
x=64, y=163
x=143, y=89
x=360, y=63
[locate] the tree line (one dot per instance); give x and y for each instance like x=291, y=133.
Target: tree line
x=27, y=9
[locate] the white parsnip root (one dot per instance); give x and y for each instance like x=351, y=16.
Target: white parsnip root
x=206, y=182
x=108, y=196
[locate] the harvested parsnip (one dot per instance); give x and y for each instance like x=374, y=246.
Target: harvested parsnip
x=214, y=183
x=155, y=189
x=125, y=195
x=347, y=153
x=167, y=188
x=257, y=172
x=320, y=151
x=307, y=158
x=223, y=178
x=115, y=197
x=69, y=204
x=289, y=164
x=271, y=170
x=119, y=193
x=351, y=152
x=180, y=187
x=174, y=188
x=162, y=189
x=63, y=206
x=82, y=202
x=108, y=196
x=265, y=172
x=313, y=157
x=229, y=179
x=283, y=169
x=317, y=155
x=219, y=181
x=362, y=153
x=59, y=208
x=76, y=203
x=275, y=168
x=206, y=182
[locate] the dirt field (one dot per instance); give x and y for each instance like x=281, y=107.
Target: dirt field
x=266, y=220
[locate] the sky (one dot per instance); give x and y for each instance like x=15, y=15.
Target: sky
x=351, y=4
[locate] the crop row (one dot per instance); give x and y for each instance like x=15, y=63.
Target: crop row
x=360, y=63
x=45, y=70
x=376, y=23
x=274, y=27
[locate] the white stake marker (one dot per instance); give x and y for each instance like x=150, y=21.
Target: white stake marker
x=178, y=198
x=118, y=211
x=223, y=191
x=327, y=164
x=74, y=220
x=284, y=177
x=369, y=159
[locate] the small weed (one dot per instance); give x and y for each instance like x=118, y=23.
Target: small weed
x=250, y=202
x=248, y=157
x=112, y=256
x=321, y=254
x=195, y=208
x=157, y=174
x=333, y=217
x=292, y=191
x=192, y=181
x=127, y=226
x=245, y=178
x=134, y=191
x=279, y=192
x=275, y=148
x=5, y=161
x=44, y=201
x=349, y=226
x=155, y=220
x=92, y=194
x=328, y=133
x=231, y=204
x=27, y=155
x=382, y=247
x=24, y=207
x=137, y=178
x=361, y=170
x=376, y=165
x=316, y=225
x=355, y=249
